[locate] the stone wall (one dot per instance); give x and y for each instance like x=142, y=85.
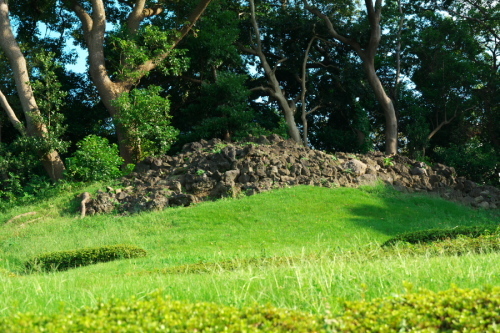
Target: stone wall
x=209, y=170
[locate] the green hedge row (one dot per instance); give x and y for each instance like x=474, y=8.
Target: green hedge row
x=454, y=310
x=432, y=235
x=64, y=260
x=156, y=313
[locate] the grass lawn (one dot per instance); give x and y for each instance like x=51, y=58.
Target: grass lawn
x=317, y=247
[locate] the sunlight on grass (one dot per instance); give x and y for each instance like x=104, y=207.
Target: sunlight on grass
x=317, y=225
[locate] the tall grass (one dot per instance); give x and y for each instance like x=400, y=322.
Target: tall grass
x=327, y=231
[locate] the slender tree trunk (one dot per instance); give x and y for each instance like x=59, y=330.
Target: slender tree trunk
x=274, y=85
x=51, y=161
x=391, y=122
x=367, y=55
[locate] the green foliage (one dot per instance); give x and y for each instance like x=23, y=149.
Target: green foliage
x=63, y=260
x=228, y=265
x=460, y=245
x=432, y=235
x=453, y=310
x=149, y=43
x=94, y=160
x=155, y=313
x=388, y=161
x=475, y=160
x=50, y=98
x=21, y=174
x=21, y=171
x=145, y=116
x=222, y=109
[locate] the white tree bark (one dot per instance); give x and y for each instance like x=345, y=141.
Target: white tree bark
x=52, y=162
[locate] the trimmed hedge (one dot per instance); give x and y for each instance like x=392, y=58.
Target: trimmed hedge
x=63, y=260
x=456, y=246
x=155, y=313
x=432, y=235
x=454, y=310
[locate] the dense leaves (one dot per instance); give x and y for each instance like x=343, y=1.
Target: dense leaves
x=437, y=60
x=94, y=160
x=63, y=260
x=454, y=310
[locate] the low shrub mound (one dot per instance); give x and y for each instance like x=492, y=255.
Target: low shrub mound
x=453, y=247
x=432, y=235
x=454, y=310
x=63, y=260
x=155, y=313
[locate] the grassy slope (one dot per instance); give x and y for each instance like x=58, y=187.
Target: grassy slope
x=290, y=222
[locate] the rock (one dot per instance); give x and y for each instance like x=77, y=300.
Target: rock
x=207, y=170
x=484, y=205
x=355, y=166
x=418, y=171
x=182, y=200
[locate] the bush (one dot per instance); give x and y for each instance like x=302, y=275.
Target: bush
x=64, y=260
x=432, y=235
x=155, y=313
x=95, y=160
x=454, y=310
x=449, y=247
x=474, y=160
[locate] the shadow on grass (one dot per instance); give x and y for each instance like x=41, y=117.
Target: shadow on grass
x=402, y=212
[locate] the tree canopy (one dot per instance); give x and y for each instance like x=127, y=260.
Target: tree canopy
x=420, y=78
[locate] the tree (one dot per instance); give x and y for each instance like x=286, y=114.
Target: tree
x=136, y=61
x=367, y=54
x=35, y=126
x=284, y=58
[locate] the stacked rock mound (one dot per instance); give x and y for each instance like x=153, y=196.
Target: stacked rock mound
x=208, y=170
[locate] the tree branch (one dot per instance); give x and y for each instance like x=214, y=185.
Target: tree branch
x=352, y=43
x=152, y=63
x=82, y=15
x=136, y=16
x=18, y=125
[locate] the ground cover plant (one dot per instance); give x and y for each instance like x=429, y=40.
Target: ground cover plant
x=306, y=249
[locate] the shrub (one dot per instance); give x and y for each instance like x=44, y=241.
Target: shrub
x=432, y=235
x=95, y=160
x=454, y=310
x=456, y=246
x=156, y=313
x=64, y=260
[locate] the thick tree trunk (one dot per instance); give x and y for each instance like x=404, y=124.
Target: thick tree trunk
x=51, y=161
x=94, y=29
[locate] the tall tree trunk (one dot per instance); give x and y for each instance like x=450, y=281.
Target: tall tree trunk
x=367, y=55
x=287, y=107
x=51, y=161
x=391, y=122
